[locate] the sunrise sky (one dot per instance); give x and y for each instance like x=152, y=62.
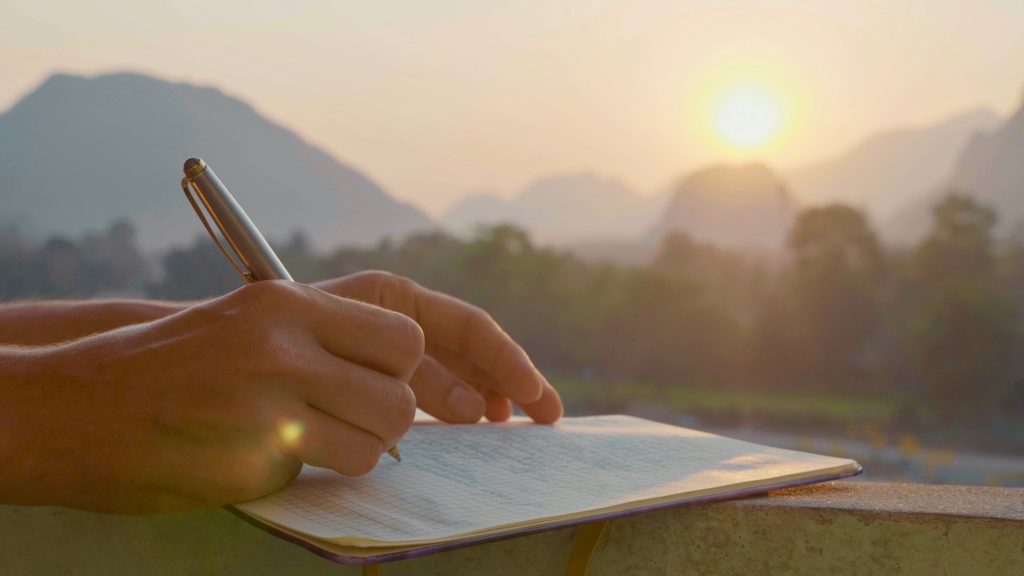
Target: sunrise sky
x=438, y=99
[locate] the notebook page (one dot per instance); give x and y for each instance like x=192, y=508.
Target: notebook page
x=458, y=480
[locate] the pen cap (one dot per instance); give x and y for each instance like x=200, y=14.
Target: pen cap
x=238, y=229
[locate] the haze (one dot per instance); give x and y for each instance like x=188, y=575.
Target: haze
x=436, y=100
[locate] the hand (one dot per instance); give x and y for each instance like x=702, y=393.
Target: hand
x=472, y=367
x=218, y=403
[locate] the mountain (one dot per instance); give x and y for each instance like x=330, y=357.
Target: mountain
x=990, y=168
x=474, y=210
x=562, y=209
x=745, y=207
x=78, y=153
x=885, y=172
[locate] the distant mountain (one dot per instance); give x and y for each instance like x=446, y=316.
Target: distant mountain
x=78, y=153
x=885, y=172
x=990, y=168
x=745, y=207
x=563, y=209
x=475, y=210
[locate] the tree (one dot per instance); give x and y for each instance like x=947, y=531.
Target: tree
x=199, y=271
x=960, y=243
x=837, y=266
x=966, y=324
x=965, y=341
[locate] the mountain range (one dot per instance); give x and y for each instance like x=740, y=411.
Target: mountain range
x=562, y=209
x=884, y=173
x=990, y=169
x=78, y=153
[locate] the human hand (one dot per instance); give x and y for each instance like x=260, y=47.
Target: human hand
x=219, y=403
x=471, y=367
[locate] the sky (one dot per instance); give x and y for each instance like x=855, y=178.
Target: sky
x=435, y=100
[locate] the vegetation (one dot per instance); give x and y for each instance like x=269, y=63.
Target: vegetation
x=838, y=331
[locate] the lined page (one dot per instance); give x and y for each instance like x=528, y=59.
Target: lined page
x=459, y=480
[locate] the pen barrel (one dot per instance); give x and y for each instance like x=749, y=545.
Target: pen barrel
x=238, y=229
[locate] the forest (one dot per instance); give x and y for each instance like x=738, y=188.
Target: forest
x=930, y=333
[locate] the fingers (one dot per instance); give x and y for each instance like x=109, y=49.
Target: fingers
x=547, y=409
x=470, y=331
x=383, y=340
x=322, y=440
x=386, y=341
x=462, y=367
x=499, y=408
x=371, y=401
x=466, y=341
x=454, y=324
x=445, y=395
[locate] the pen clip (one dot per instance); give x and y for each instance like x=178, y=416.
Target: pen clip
x=237, y=261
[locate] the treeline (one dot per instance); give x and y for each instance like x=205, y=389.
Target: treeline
x=937, y=326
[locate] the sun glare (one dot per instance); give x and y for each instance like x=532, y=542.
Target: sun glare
x=748, y=116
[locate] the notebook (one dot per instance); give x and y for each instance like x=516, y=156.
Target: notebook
x=463, y=484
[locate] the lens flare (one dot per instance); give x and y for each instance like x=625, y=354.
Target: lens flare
x=291, y=432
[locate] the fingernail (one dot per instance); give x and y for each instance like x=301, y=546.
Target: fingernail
x=464, y=405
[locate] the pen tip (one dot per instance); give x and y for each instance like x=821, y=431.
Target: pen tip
x=394, y=454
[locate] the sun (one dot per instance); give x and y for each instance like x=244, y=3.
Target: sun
x=748, y=115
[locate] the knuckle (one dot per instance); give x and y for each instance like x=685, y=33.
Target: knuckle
x=405, y=407
x=400, y=411
x=392, y=291
x=271, y=292
x=481, y=316
x=377, y=276
x=402, y=284
x=362, y=457
x=407, y=338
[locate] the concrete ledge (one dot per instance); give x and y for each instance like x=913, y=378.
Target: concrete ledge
x=837, y=528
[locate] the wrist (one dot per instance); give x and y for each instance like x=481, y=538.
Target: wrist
x=127, y=312
x=41, y=323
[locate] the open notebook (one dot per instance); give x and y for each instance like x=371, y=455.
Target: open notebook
x=463, y=484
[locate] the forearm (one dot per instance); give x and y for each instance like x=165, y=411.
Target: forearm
x=19, y=472
x=48, y=322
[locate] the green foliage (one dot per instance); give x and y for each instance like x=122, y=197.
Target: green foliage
x=964, y=343
x=934, y=331
x=98, y=264
x=965, y=340
x=199, y=271
x=835, y=277
x=960, y=243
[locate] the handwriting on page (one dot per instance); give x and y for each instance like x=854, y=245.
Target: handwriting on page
x=459, y=479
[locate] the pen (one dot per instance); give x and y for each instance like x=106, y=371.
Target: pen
x=253, y=257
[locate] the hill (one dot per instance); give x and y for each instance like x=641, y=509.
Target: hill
x=990, y=168
x=887, y=171
x=78, y=153
x=561, y=209
x=745, y=207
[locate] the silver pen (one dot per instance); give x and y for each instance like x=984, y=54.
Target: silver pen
x=253, y=257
